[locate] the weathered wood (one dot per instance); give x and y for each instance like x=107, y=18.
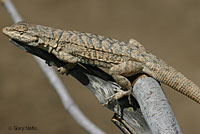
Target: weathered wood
x=155, y=107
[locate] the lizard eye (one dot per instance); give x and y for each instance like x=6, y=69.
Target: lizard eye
x=21, y=28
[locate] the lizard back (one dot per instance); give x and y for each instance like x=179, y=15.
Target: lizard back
x=91, y=49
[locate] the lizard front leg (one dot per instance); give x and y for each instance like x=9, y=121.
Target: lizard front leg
x=70, y=60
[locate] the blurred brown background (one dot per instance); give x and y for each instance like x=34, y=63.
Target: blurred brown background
x=169, y=29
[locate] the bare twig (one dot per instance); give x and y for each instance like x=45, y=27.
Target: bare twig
x=66, y=99
x=155, y=107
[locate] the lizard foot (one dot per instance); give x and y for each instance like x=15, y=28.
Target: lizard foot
x=50, y=63
x=65, y=69
x=120, y=94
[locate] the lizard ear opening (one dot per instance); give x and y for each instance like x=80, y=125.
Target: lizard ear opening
x=20, y=32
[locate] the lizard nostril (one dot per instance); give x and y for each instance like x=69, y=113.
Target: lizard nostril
x=4, y=30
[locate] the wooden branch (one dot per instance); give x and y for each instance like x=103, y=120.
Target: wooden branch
x=155, y=107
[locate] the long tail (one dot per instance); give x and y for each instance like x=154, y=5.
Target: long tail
x=178, y=81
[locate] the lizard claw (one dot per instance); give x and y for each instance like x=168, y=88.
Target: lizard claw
x=62, y=70
x=50, y=63
x=120, y=94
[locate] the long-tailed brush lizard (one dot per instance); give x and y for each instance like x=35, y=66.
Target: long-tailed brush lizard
x=122, y=59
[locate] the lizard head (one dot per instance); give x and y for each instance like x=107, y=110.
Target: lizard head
x=22, y=32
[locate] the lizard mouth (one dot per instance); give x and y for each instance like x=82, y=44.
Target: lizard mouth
x=25, y=47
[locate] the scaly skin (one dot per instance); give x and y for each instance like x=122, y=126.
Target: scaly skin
x=122, y=59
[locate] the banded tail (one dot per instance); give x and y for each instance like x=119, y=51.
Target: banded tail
x=178, y=81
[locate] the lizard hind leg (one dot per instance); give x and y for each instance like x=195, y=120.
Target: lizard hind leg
x=121, y=70
x=136, y=43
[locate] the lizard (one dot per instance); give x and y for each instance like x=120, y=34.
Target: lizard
x=121, y=58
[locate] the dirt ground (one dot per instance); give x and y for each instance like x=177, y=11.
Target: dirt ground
x=169, y=29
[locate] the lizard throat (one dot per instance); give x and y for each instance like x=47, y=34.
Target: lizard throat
x=37, y=52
